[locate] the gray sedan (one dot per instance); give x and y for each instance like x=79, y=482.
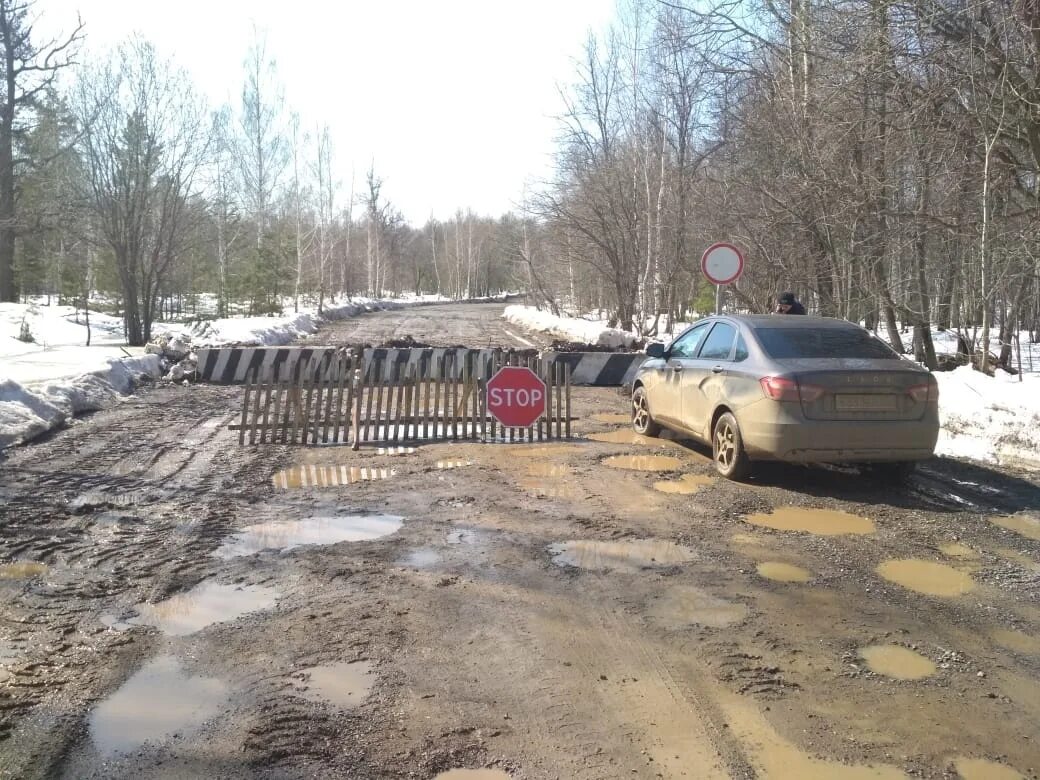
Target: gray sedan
x=800, y=389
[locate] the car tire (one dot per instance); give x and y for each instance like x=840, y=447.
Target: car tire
x=727, y=449
x=898, y=473
x=642, y=421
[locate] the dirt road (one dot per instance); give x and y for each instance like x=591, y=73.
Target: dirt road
x=539, y=611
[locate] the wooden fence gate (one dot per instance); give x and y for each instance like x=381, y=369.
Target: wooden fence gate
x=348, y=397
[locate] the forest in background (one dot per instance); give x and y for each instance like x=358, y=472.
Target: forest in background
x=879, y=158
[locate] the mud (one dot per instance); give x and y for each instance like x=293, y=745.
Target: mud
x=158, y=701
x=897, y=662
x=643, y=462
x=343, y=685
x=1028, y=525
x=983, y=769
x=285, y=535
x=783, y=572
x=473, y=774
x=489, y=654
x=957, y=550
x=628, y=556
x=202, y=606
x=612, y=417
x=928, y=577
x=22, y=570
x=821, y=522
x=686, y=485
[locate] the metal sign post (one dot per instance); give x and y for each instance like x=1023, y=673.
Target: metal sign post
x=721, y=264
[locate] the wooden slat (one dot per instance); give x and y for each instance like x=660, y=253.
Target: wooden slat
x=266, y=384
x=331, y=384
x=437, y=397
x=256, y=405
x=426, y=387
x=399, y=411
x=475, y=398
x=343, y=413
x=417, y=373
x=567, y=395
x=245, y=413
x=279, y=390
x=496, y=357
x=318, y=386
x=375, y=393
x=305, y=411
x=358, y=384
x=559, y=406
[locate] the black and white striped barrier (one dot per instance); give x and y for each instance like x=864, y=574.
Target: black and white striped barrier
x=234, y=365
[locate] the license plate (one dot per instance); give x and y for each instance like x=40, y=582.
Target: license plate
x=848, y=402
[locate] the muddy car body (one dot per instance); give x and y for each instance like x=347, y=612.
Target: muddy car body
x=799, y=389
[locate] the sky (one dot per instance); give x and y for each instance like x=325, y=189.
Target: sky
x=453, y=101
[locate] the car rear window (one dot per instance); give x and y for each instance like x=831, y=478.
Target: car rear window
x=780, y=343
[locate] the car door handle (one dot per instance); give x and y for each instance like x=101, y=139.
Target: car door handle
x=677, y=369
x=717, y=369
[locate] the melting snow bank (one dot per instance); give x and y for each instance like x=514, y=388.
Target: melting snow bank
x=994, y=419
x=569, y=328
x=26, y=411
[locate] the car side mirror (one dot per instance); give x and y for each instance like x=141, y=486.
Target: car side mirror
x=655, y=350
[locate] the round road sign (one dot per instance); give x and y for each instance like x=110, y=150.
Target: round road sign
x=516, y=396
x=722, y=263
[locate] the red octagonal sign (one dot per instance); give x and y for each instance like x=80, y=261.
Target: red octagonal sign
x=516, y=396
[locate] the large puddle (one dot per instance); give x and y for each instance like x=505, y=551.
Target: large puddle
x=686, y=485
x=282, y=535
x=1026, y=524
x=158, y=701
x=472, y=774
x=643, y=462
x=1018, y=641
x=343, y=685
x=981, y=769
x=928, y=577
x=628, y=556
x=683, y=606
x=204, y=605
x=22, y=570
x=612, y=417
x=821, y=522
x=628, y=436
x=783, y=572
x=896, y=662
x=550, y=480
x=544, y=450
x=328, y=476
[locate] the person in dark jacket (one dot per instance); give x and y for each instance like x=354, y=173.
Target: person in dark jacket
x=786, y=303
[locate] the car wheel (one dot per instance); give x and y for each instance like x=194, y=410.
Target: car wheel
x=727, y=447
x=642, y=422
x=898, y=473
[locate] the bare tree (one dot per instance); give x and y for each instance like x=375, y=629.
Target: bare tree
x=146, y=141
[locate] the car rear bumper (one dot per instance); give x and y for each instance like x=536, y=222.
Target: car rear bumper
x=788, y=437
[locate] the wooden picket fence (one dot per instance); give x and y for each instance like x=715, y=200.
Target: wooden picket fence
x=348, y=399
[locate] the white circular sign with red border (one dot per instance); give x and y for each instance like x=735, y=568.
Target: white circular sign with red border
x=722, y=263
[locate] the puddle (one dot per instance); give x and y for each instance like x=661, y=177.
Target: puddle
x=421, y=559
x=22, y=570
x=472, y=774
x=1018, y=641
x=821, y=522
x=627, y=556
x=203, y=605
x=932, y=579
x=461, y=536
x=774, y=757
x=682, y=606
x=556, y=470
x=452, y=464
x=981, y=769
x=344, y=685
x=1026, y=524
x=643, y=462
x=783, y=572
x=394, y=451
x=628, y=436
x=284, y=536
x=896, y=662
x=542, y=451
x=328, y=476
x=957, y=550
x=686, y=485
x=610, y=417
x=156, y=702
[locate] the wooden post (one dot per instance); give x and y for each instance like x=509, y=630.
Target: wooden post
x=559, y=404
x=358, y=383
x=369, y=382
x=245, y=413
x=567, y=395
x=277, y=430
x=437, y=396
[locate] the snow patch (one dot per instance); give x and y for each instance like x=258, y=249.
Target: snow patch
x=569, y=328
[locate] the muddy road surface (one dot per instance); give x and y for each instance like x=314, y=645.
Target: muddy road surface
x=175, y=605
x=466, y=324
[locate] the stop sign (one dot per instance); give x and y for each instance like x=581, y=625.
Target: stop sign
x=516, y=396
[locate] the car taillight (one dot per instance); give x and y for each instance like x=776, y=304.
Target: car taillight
x=781, y=388
x=926, y=393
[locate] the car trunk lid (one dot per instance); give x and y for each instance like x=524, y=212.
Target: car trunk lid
x=860, y=389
